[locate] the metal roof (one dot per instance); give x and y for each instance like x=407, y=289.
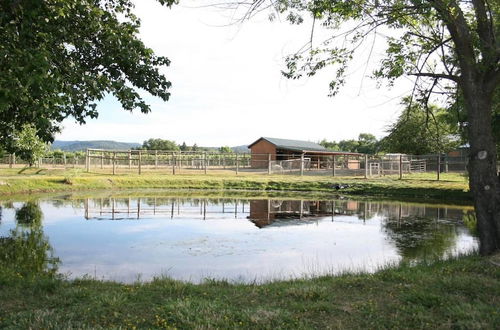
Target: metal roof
x=292, y=144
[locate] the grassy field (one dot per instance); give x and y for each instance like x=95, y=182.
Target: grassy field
x=460, y=294
x=421, y=186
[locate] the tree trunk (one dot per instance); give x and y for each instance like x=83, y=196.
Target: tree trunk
x=483, y=178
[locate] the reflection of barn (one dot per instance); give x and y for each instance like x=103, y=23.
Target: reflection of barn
x=265, y=212
x=271, y=149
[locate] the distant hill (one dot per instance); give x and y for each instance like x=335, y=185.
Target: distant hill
x=114, y=145
x=83, y=145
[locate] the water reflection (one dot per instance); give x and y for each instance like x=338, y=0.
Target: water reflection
x=26, y=250
x=117, y=237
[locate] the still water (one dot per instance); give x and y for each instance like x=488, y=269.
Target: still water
x=129, y=238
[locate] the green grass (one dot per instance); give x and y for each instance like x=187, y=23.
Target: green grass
x=450, y=187
x=462, y=293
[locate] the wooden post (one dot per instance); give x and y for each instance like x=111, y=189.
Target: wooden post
x=156, y=159
x=87, y=160
x=438, y=166
x=140, y=162
x=205, y=162
x=237, y=164
x=129, y=159
x=268, y=163
x=10, y=160
x=173, y=164
x=400, y=167
x=114, y=157
x=333, y=166
x=301, y=164
x=446, y=164
x=366, y=166
x=64, y=160
x=102, y=159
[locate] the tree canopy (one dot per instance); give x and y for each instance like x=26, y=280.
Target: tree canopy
x=27, y=145
x=419, y=132
x=160, y=144
x=59, y=57
x=366, y=143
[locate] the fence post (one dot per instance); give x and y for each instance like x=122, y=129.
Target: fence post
x=400, y=167
x=102, y=160
x=87, y=160
x=10, y=160
x=140, y=162
x=333, y=166
x=268, y=163
x=205, y=162
x=301, y=164
x=438, y=165
x=173, y=164
x=237, y=164
x=446, y=164
x=366, y=166
x=156, y=159
x=114, y=158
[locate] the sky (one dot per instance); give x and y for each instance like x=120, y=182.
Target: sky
x=227, y=87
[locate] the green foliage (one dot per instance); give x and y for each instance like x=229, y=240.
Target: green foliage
x=60, y=57
x=418, y=132
x=160, y=144
x=366, y=144
x=27, y=145
x=225, y=150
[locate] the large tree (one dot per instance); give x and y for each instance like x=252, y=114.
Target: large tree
x=450, y=48
x=418, y=132
x=59, y=57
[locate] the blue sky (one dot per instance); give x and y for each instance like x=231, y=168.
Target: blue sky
x=228, y=90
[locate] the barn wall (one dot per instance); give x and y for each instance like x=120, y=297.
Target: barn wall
x=260, y=152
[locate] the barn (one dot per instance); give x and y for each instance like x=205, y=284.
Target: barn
x=267, y=149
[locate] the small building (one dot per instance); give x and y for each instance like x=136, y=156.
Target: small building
x=274, y=149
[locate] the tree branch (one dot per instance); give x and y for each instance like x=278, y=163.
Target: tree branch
x=435, y=75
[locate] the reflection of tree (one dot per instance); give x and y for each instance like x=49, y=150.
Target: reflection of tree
x=470, y=221
x=27, y=250
x=29, y=214
x=420, y=237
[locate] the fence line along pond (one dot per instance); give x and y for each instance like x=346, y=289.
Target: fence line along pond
x=128, y=238
x=175, y=162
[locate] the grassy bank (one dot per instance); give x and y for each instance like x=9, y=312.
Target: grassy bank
x=451, y=187
x=461, y=293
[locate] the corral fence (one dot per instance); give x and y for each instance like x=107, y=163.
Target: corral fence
x=341, y=164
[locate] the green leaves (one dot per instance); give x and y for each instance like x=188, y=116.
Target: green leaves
x=60, y=57
x=27, y=145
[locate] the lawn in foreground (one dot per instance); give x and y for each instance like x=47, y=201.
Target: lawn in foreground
x=458, y=293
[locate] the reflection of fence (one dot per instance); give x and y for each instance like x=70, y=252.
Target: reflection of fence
x=137, y=208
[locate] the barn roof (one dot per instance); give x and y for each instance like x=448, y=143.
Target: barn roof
x=292, y=144
x=302, y=146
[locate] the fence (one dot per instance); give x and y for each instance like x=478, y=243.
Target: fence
x=357, y=165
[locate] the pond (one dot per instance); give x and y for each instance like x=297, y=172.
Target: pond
x=128, y=236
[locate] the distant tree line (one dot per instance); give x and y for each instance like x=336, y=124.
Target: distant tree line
x=169, y=145
x=417, y=131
